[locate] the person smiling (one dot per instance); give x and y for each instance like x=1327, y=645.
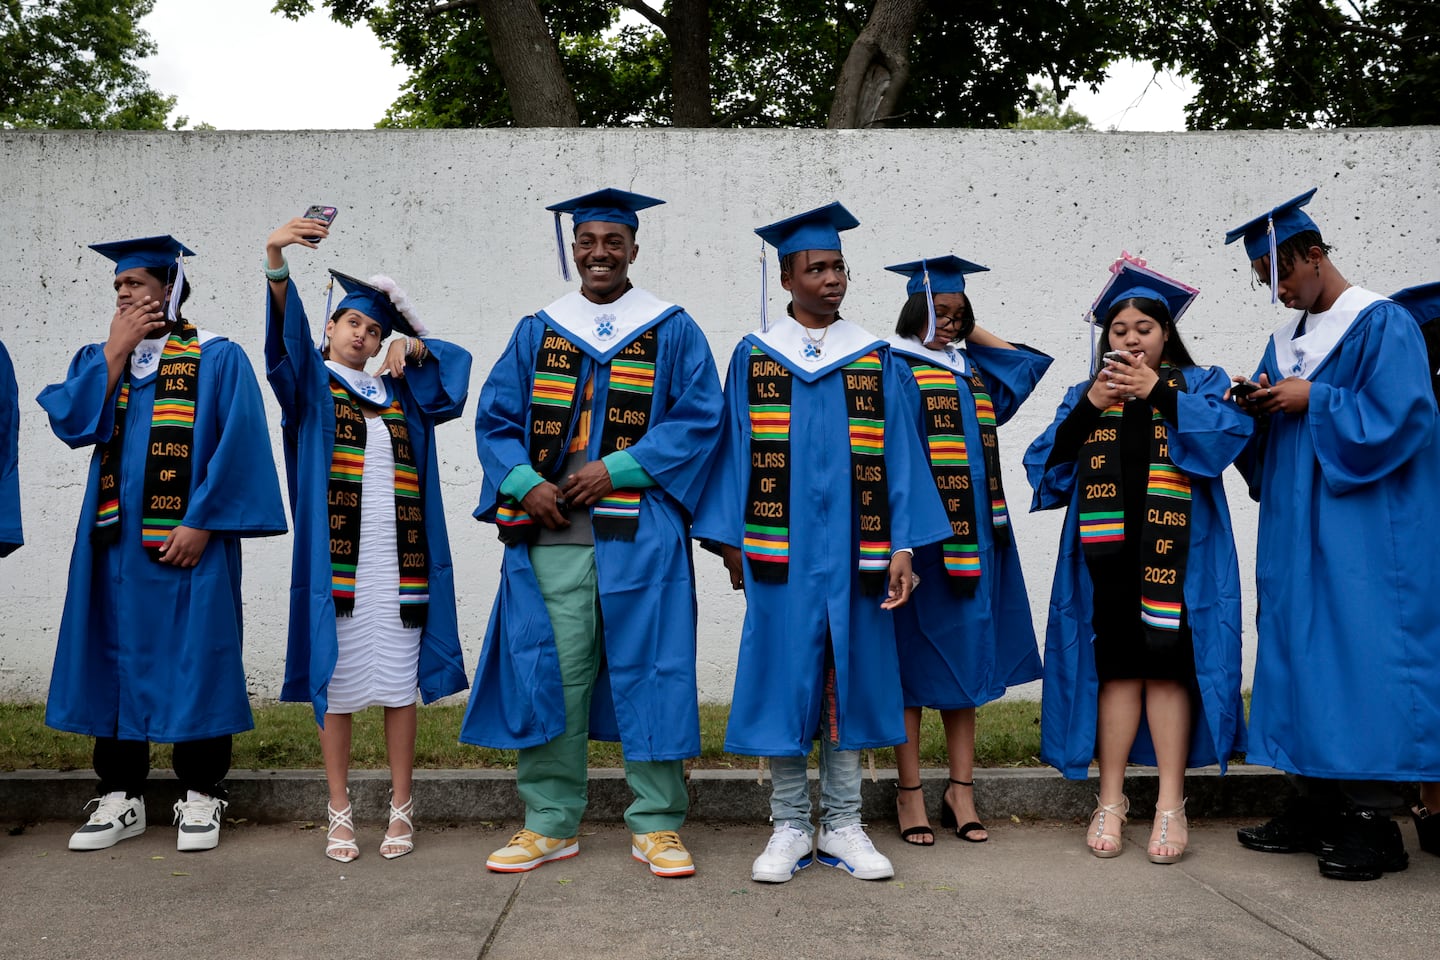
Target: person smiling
x=595, y=430
x=969, y=637
x=1346, y=468
x=815, y=506
x=1145, y=606
x=372, y=599
x=150, y=639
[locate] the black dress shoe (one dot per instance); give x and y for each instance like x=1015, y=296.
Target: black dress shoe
x=1427, y=826
x=1296, y=830
x=1367, y=846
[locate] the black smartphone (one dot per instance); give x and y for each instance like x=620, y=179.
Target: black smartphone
x=318, y=211
x=1243, y=391
x=1117, y=356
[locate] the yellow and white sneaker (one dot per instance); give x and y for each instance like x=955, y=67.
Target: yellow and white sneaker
x=527, y=850
x=663, y=853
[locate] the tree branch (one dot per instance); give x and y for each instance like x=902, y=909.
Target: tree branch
x=449, y=5
x=649, y=13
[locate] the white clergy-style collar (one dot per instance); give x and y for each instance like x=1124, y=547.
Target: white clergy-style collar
x=810, y=354
x=1301, y=356
x=145, y=358
x=372, y=390
x=604, y=329
x=951, y=358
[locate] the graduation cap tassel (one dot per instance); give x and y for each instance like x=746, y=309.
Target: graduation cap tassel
x=929, y=304
x=764, y=291
x=325, y=320
x=172, y=308
x=1274, y=267
x=560, y=249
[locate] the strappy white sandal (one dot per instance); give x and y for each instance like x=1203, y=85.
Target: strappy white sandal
x=406, y=840
x=336, y=846
x=1103, y=811
x=1164, y=821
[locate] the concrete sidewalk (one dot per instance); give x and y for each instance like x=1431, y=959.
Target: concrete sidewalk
x=1032, y=891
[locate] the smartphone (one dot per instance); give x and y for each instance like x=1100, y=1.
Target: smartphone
x=1117, y=356
x=1243, y=391
x=318, y=211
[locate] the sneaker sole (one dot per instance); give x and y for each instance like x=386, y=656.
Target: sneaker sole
x=102, y=841
x=564, y=853
x=800, y=864
x=195, y=843
x=686, y=871
x=1341, y=871
x=857, y=874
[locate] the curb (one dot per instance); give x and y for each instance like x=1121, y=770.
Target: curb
x=465, y=796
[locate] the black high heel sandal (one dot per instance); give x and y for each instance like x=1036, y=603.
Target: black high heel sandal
x=948, y=819
x=906, y=833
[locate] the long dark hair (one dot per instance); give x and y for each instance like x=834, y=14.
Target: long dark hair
x=1175, y=352
x=915, y=317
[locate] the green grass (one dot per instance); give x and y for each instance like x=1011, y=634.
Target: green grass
x=1007, y=735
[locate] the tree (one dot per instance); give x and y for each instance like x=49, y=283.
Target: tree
x=1047, y=114
x=745, y=63
x=72, y=64
x=1301, y=63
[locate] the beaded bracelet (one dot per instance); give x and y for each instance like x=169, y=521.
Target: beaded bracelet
x=280, y=274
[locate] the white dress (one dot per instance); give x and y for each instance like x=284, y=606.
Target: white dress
x=379, y=658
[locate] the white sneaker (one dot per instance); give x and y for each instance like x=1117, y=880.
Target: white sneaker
x=115, y=818
x=789, y=850
x=199, y=819
x=849, y=848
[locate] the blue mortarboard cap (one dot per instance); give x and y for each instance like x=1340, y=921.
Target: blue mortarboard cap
x=608, y=205
x=817, y=229
x=143, y=252
x=941, y=275
x=1131, y=280
x=1288, y=219
x=1423, y=301
x=388, y=307
x=947, y=274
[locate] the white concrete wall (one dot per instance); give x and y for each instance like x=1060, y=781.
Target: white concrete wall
x=457, y=217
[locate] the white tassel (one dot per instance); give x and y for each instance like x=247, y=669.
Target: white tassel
x=1274, y=267
x=929, y=302
x=764, y=291
x=172, y=307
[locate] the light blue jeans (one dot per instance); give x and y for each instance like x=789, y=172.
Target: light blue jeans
x=839, y=788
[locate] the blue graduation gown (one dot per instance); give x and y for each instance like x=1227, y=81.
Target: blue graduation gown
x=775, y=710
x=148, y=651
x=431, y=393
x=1209, y=434
x=1347, y=678
x=11, y=536
x=958, y=652
x=646, y=695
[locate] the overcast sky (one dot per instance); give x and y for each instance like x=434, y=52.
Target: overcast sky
x=237, y=66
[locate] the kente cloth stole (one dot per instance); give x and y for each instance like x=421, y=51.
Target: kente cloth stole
x=616, y=516
x=166, y=490
x=990, y=449
x=767, y=513
x=553, y=397
x=865, y=402
x=950, y=468
x=1165, y=530
x=346, y=487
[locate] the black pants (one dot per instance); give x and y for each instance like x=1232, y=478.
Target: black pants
x=1379, y=795
x=200, y=765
